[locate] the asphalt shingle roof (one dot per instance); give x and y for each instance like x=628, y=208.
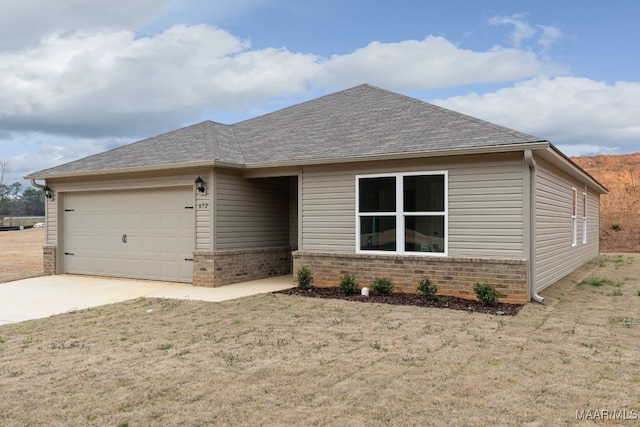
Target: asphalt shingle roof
x=355, y=123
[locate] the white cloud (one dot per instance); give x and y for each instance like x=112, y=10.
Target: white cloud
x=113, y=83
x=521, y=28
x=94, y=84
x=429, y=63
x=569, y=111
x=81, y=76
x=523, y=31
x=24, y=23
x=550, y=35
x=46, y=151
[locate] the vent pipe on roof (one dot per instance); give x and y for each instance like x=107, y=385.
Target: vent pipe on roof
x=528, y=157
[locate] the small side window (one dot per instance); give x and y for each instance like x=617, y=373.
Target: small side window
x=574, y=217
x=584, y=218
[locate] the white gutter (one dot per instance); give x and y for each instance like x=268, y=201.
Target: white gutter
x=295, y=163
x=136, y=169
x=35, y=184
x=528, y=157
x=398, y=156
x=559, y=160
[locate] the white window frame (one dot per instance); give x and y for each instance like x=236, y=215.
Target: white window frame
x=574, y=217
x=584, y=218
x=399, y=214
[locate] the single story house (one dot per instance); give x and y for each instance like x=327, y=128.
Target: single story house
x=364, y=181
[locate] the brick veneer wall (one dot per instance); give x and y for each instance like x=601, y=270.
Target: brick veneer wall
x=453, y=276
x=219, y=268
x=49, y=259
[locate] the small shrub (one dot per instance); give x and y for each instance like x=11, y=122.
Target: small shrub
x=348, y=284
x=487, y=294
x=382, y=286
x=615, y=226
x=427, y=289
x=304, y=277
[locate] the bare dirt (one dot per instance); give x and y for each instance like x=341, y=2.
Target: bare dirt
x=286, y=360
x=279, y=359
x=21, y=254
x=621, y=176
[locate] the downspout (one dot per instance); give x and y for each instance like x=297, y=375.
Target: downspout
x=528, y=157
x=35, y=184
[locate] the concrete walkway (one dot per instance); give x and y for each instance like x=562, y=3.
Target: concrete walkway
x=44, y=296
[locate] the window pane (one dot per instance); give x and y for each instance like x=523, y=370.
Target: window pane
x=424, y=234
x=378, y=233
x=378, y=194
x=424, y=193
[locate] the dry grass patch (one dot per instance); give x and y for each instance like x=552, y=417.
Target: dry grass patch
x=285, y=360
x=21, y=254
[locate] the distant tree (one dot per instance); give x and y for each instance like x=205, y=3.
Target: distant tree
x=4, y=189
x=8, y=192
x=32, y=202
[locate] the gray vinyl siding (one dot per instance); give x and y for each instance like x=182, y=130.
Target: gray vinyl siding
x=250, y=213
x=593, y=223
x=486, y=214
x=485, y=204
x=555, y=255
x=51, y=223
x=204, y=220
x=293, y=213
x=328, y=210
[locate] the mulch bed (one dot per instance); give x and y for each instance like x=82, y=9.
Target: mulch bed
x=399, y=298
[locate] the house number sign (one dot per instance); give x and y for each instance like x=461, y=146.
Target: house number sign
x=203, y=205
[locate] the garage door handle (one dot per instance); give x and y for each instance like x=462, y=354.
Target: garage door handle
x=188, y=259
x=124, y=238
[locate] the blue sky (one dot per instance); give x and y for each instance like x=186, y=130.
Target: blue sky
x=81, y=76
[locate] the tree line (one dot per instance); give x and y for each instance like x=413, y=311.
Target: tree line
x=17, y=202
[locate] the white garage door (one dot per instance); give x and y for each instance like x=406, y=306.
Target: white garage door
x=146, y=234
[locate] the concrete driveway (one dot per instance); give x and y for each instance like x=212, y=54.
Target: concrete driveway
x=44, y=296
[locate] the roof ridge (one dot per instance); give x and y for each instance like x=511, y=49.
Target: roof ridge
x=304, y=103
x=235, y=138
x=209, y=138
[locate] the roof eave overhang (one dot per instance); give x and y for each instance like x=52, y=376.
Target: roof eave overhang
x=561, y=161
x=136, y=169
x=542, y=148
x=298, y=162
x=538, y=145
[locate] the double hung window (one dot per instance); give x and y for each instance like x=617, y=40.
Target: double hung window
x=584, y=218
x=402, y=213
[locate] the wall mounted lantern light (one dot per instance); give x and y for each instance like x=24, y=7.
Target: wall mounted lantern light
x=200, y=185
x=48, y=193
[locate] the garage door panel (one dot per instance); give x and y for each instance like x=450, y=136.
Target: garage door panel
x=158, y=230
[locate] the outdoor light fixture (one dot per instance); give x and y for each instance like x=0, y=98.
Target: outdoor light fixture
x=200, y=185
x=48, y=193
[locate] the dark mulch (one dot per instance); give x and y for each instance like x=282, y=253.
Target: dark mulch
x=398, y=298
